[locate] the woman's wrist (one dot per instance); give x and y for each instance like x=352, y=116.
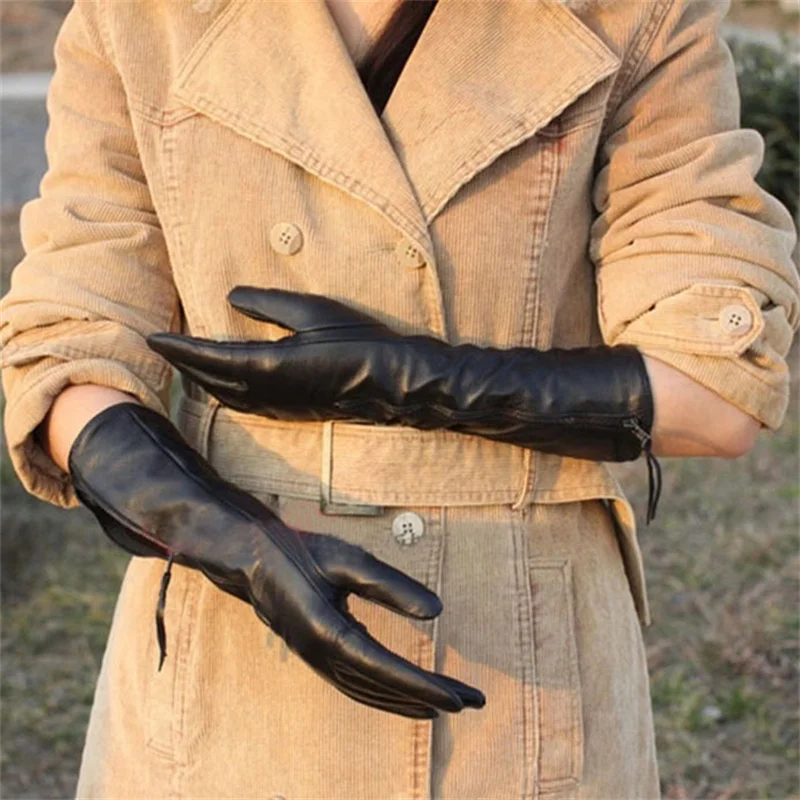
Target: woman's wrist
x=691, y=420
x=70, y=412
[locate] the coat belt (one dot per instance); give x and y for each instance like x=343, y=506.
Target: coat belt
x=354, y=468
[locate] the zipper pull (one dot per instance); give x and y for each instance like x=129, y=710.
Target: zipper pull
x=654, y=477
x=161, y=631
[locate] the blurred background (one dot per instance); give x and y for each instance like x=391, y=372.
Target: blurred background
x=723, y=557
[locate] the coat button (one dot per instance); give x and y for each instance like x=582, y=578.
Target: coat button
x=736, y=319
x=285, y=238
x=409, y=255
x=407, y=528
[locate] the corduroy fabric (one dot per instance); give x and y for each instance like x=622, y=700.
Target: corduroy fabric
x=572, y=196
x=572, y=173
x=537, y=614
x=360, y=465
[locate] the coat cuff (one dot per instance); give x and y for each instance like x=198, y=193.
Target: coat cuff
x=35, y=389
x=726, y=337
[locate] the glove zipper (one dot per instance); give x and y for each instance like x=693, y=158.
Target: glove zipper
x=654, y=475
x=654, y=478
x=169, y=554
x=161, y=631
x=352, y=406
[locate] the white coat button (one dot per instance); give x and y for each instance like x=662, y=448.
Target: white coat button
x=408, y=528
x=736, y=319
x=285, y=238
x=409, y=255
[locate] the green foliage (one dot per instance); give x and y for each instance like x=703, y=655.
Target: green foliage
x=769, y=83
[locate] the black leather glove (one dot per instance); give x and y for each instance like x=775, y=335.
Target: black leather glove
x=156, y=496
x=593, y=403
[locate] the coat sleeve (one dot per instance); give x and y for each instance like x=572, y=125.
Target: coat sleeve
x=695, y=262
x=95, y=279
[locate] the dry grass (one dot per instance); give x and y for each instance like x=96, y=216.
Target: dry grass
x=59, y=582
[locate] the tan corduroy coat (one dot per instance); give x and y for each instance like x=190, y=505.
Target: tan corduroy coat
x=546, y=174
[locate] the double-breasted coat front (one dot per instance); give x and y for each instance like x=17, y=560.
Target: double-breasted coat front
x=545, y=174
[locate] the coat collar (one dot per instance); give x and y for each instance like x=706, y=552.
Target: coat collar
x=483, y=77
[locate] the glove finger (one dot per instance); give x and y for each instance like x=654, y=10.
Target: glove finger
x=471, y=697
x=367, y=692
x=370, y=659
x=350, y=683
x=295, y=310
x=345, y=675
x=352, y=568
x=403, y=708
x=223, y=359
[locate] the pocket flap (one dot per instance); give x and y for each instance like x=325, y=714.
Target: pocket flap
x=557, y=680
x=713, y=319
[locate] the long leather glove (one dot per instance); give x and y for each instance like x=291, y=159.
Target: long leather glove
x=592, y=403
x=156, y=496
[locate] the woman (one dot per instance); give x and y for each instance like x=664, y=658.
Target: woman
x=543, y=250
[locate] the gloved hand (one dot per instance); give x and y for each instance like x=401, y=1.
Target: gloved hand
x=592, y=403
x=156, y=496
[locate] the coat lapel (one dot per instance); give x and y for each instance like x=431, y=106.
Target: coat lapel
x=483, y=77
x=280, y=74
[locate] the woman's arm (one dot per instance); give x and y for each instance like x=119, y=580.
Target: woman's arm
x=691, y=420
x=96, y=278
x=70, y=412
x=713, y=428
x=694, y=259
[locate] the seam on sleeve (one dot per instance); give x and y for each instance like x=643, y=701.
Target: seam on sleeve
x=738, y=362
x=636, y=57
x=105, y=34
x=151, y=392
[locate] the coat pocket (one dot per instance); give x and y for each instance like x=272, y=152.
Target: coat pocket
x=166, y=688
x=556, y=686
